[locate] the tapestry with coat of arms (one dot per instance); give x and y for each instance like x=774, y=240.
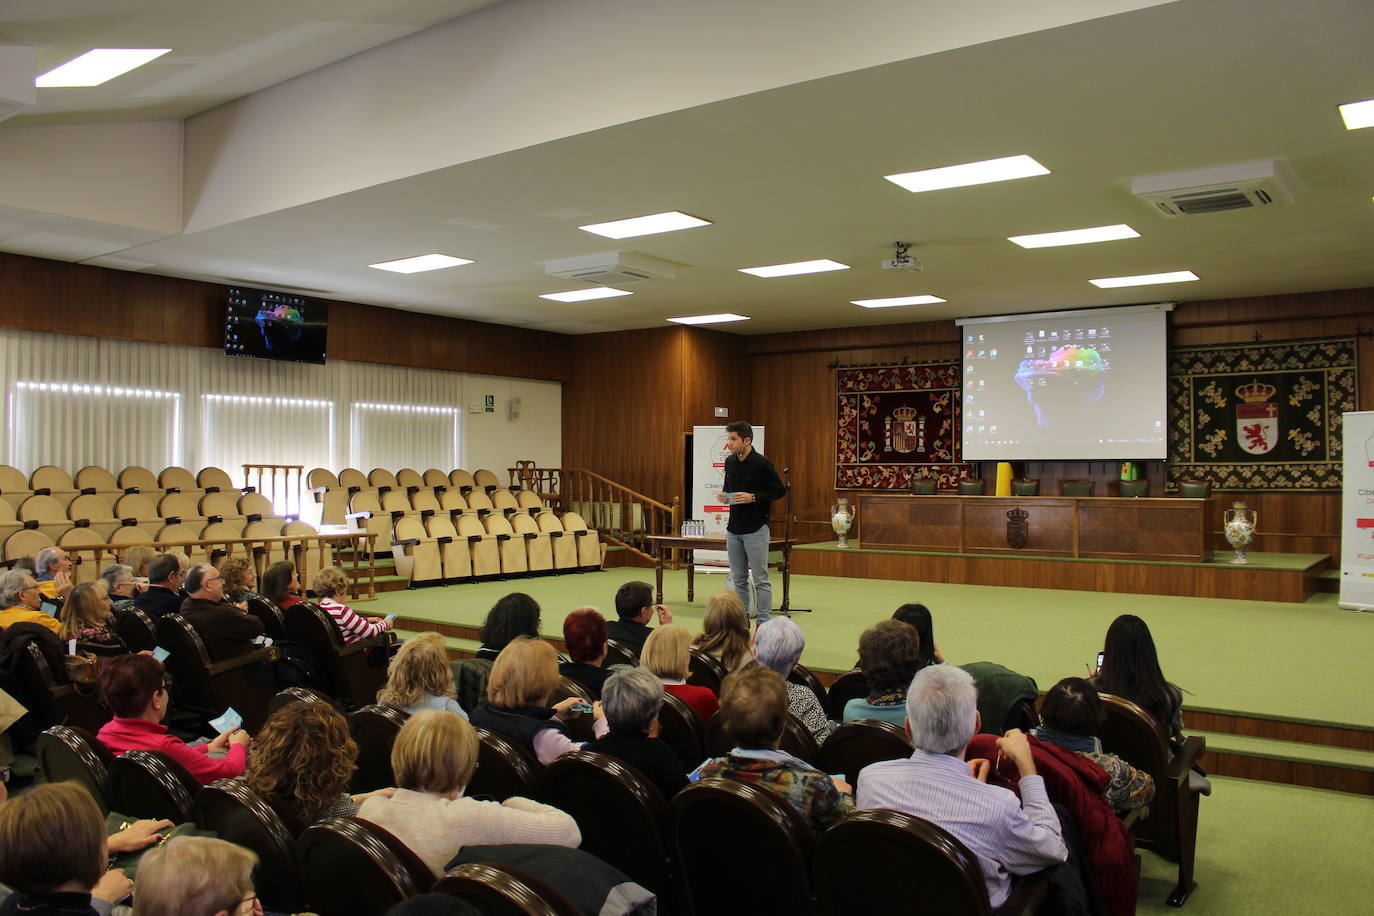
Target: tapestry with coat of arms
x=1260, y=416
x=897, y=424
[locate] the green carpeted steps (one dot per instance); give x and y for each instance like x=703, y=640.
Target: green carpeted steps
x=386, y=578
x=1329, y=581
x=1299, y=763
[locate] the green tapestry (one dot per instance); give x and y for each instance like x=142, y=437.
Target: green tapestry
x=1260, y=416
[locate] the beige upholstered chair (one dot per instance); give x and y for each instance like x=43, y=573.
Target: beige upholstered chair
x=183, y=506
x=416, y=554
x=486, y=480
x=381, y=477
x=93, y=512
x=484, y=548
x=220, y=505
x=215, y=479
x=505, y=503
x=93, y=477
x=538, y=544
x=85, y=566
x=365, y=514
x=46, y=513
x=394, y=501
x=452, y=502
x=479, y=503
x=461, y=479
x=14, y=486
x=349, y=478
x=175, y=478
x=135, y=477
x=25, y=543
x=564, y=544
x=436, y=478
x=409, y=477
x=514, y=559
x=588, y=541
x=454, y=554
x=131, y=534
x=529, y=502
x=424, y=501
x=138, y=508
x=53, y=479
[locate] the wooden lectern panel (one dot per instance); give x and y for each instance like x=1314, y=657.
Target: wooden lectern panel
x=1049, y=525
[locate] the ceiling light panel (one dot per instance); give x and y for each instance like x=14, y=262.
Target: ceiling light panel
x=420, y=263
x=652, y=224
x=795, y=268
x=98, y=66
x=899, y=300
x=1075, y=236
x=585, y=295
x=970, y=173
x=710, y=319
x=1176, y=276
x=1358, y=114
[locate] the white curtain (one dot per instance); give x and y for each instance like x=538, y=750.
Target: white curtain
x=239, y=429
x=74, y=425
x=394, y=436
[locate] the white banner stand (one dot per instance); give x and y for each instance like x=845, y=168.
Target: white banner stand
x=1357, y=512
x=709, y=452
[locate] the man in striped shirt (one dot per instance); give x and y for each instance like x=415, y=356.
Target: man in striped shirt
x=1009, y=836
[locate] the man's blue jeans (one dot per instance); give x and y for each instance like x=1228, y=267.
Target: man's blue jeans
x=749, y=553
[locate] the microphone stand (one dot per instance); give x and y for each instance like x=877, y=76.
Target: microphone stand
x=785, y=609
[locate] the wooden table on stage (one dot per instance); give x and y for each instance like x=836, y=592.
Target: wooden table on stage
x=663, y=546
x=1095, y=527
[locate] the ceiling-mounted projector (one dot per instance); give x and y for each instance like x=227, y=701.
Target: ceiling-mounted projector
x=612, y=268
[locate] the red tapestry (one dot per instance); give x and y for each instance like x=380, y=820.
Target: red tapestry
x=898, y=424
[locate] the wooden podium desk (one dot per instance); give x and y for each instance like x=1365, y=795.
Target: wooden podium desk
x=1092, y=527
x=663, y=546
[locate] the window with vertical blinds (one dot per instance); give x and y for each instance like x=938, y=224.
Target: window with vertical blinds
x=73, y=425
x=394, y=436
x=244, y=429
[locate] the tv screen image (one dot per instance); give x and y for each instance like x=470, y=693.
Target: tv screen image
x=267, y=325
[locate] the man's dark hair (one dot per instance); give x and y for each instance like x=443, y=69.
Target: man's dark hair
x=631, y=598
x=517, y=614
x=1072, y=706
x=196, y=577
x=741, y=429
x=162, y=567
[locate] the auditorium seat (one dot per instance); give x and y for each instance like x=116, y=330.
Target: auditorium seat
x=496, y=889
x=619, y=654
x=49, y=696
x=1077, y=489
x=310, y=558
x=878, y=861
x=137, y=479
x=538, y=544
x=216, y=480
x=484, y=548
x=182, y=506
x=330, y=496
x=721, y=832
x=128, y=535
x=587, y=541
x=350, y=866
x=321, y=477
x=705, y=670
x=221, y=505
x=504, y=769
x=396, y=503
x=424, y=502
x=972, y=487
x=579, y=728
x=374, y=728
x=409, y=477
x=150, y=784
x=255, y=506
x=504, y=502
x=452, y=502
x=454, y=553
x=486, y=480
x=66, y=753
x=1170, y=830
x=45, y=514
x=479, y=503
x=796, y=740
x=138, y=509
x=135, y=628
x=381, y=477
x=462, y=480
x=436, y=478
x=564, y=544
x=859, y=742
x=514, y=559
x=216, y=536
x=347, y=667
x=293, y=695
x=417, y=554
x=230, y=810
x=1135, y=489
x=52, y=479
x=1025, y=486
x=365, y=514
x=266, y=610
x=682, y=728
x=86, y=565
x=800, y=674
x=177, y=479
x=25, y=543
x=95, y=479
x=209, y=688
x=353, y=479
x=181, y=531
x=529, y=502
x=848, y=686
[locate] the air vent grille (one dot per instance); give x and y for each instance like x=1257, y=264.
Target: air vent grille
x=1242, y=186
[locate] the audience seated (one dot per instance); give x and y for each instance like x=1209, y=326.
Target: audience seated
x=634, y=608
x=778, y=645
x=120, y=584
x=584, y=633
x=1070, y=716
x=754, y=711
x=419, y=677
x=1009, y=836
x=162, y=596
x=631, y=699
x=135, y=688
x=53, y=854
x=53, y=569
x=227, y=630
x=725, y=632
x=302, y=761
x=522, y=681
x=20, y=597
x=281, y=585
x=139, y=559
x=433, y=758
x=667, y=654
x=889, y=654
x=84, y=618
x=1003, y=696
x=918, y=616
x=197, y=876
x=240, y=578
x=330, y=587
x=1130, y=670
x=515, y=615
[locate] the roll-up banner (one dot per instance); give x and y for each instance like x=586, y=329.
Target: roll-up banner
x=1357, y=502
x=709, y=452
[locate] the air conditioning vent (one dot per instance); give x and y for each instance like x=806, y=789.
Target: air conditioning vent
x=612, y=268
x=1242, y=186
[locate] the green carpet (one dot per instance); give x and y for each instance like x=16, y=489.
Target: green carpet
x=1306, y=661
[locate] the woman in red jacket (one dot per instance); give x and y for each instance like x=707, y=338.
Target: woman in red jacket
x=135, y=687
x=667, y=653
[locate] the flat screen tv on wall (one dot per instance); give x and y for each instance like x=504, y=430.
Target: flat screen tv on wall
x=268, y=325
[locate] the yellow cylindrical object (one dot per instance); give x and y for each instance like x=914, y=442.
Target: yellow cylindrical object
x=1004, y=478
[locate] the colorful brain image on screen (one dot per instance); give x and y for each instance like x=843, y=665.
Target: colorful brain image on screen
x=1068, y=380
x=280, y=325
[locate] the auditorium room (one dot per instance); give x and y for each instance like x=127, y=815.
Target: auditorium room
x=547, y=457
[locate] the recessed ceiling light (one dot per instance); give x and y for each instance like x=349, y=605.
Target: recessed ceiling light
x=710, y=319
x=796, y=267
x=1075, y=236
x=1176, y=276
x=958, y=176
x=645, y=225
x=420, y=263
x=584, y=295
x=1358, y=114
x=900, y=300
x=98, y=66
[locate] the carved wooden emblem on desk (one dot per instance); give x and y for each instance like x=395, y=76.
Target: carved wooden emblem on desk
x=1018, y=529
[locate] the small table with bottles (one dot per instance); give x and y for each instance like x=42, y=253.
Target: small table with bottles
x=663, y=546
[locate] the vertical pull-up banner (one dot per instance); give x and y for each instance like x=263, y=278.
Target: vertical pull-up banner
x=709, y=451
x=1357, y=515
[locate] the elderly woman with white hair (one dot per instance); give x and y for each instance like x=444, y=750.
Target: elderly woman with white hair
x=631, y=699
x=778, y=645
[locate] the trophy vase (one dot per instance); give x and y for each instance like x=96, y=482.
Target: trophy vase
x=1238, y=524
x=841, y=520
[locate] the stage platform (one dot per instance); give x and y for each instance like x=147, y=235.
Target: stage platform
x=1289, y=577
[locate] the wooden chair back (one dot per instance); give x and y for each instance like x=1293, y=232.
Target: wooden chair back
x=503, y=890
x=266, y=610
x=504, y=769
x=622, y=815
x=350, y=866
x=50, y=697
x=797, y=739
x=236, y=814
x=296, y=695
x=619, y=654
x=705, y=670
x=801, y=674
x=347, y=667
x=851, y=685
x=682, y=728
x=856, y=744
x=149, y=784
x=374, y=728
x=68, y=753
x=209, y=688
x=720, y=830
x=580, y=727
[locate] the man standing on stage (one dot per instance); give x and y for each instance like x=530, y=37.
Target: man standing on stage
x=751, y=485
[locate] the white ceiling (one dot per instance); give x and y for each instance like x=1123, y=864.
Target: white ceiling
x=795, y=173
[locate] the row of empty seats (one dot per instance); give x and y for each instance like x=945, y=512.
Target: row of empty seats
x=334, y=493
x=51, y=480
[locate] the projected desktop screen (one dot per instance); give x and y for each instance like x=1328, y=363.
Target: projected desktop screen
x=1079, y=385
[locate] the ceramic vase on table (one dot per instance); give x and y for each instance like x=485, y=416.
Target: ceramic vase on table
x=1238, y=524
x=841, y=520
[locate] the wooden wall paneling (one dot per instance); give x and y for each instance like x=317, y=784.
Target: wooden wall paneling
x=715, y=373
